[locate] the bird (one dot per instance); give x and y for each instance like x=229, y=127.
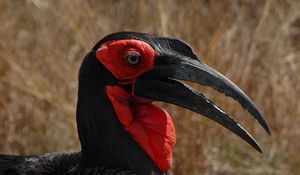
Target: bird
x=121, y=130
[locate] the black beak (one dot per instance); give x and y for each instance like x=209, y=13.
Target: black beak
x=161, y=84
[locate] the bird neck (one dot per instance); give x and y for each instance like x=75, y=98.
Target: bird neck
x=104, y=142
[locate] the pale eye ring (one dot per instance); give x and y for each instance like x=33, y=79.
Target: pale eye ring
x=133, y=58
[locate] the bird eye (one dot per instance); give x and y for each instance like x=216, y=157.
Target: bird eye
x=133, y=58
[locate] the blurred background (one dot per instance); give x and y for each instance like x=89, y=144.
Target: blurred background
x=255, y=43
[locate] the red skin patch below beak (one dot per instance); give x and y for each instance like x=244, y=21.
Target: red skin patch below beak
x=150, y=126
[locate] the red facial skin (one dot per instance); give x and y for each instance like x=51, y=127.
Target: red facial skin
x=112, y=53
x=150, y=126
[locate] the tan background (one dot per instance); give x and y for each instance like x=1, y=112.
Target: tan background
x=256, y=43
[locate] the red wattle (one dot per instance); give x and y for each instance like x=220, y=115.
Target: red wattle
x=150, y=126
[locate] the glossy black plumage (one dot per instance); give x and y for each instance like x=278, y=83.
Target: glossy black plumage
x=103, y=139
x=106, y=148
x=105, y=145
x=53, y=163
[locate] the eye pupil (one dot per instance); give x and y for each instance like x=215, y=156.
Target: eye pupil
x=134, y=58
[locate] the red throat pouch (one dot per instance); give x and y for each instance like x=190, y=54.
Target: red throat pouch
x=150, y=126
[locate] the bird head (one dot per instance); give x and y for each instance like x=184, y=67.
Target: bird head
x=135, y=69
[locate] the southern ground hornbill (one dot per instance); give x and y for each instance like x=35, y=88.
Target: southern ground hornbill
x=120, y=130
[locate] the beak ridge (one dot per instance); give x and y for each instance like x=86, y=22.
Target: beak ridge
x=195, y=71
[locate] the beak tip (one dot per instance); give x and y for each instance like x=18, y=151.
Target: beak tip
x=260, y=151
x=266, y=127
x=269, y=132
x=258, y=148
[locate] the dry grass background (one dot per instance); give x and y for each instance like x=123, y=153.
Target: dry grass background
x=256, y=43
